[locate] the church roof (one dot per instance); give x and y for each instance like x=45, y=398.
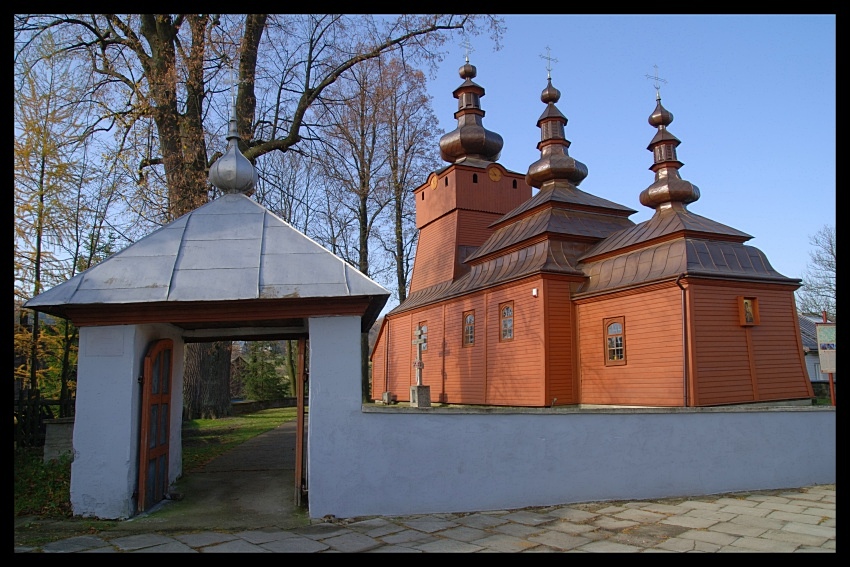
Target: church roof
x=674, y=241
x=470, y=142
x=682, y=256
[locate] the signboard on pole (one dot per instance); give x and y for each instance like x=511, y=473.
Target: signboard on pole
x=826, y=347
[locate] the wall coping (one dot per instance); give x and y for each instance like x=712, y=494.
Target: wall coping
x=402, y=407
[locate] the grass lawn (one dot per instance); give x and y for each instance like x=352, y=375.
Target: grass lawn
x=42, y=489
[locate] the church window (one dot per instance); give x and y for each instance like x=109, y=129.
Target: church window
x=514, y=183
x=615, y=341
x=506, y=317
x=475, y=178
x=468, y=328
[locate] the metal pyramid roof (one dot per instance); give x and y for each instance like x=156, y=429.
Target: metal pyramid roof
x=229, y=249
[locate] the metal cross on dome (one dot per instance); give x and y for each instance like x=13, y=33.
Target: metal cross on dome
x=549, y=60
x=657, y=79
x=467, y=48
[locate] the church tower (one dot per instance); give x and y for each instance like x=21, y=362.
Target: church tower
x=457, y=204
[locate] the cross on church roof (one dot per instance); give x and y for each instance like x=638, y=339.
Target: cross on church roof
x=657, y=79
x=549, y=60
x=467, y=47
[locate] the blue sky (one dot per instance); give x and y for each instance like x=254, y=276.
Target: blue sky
x=752, y=96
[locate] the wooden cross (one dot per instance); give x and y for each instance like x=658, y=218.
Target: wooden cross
x=549, y=60
x=657, y=79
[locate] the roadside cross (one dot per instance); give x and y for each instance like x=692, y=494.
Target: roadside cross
x=418, y=364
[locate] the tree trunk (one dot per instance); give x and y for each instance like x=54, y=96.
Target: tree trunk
x=206, y=380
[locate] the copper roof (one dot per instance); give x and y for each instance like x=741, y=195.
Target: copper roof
x=567, y=194
x=546, y=256
x=588, y=227
x=555, y=163
x=683, y=256
x=674, y=241
x=564, y=230
x=470, y=139
x=664, y=223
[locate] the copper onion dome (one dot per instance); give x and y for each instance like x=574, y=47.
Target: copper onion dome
x=669, y=189
x=470, y=139
x=554, y=163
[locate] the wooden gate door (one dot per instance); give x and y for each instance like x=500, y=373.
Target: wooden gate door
x=155, y=430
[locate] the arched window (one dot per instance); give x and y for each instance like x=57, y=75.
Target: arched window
x=468, y=328
x=615, y=341
x=475, y=178
x=506, y=317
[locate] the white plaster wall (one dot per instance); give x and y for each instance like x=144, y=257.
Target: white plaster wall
x=398, y=463
x=104, y=471
x=334, y=394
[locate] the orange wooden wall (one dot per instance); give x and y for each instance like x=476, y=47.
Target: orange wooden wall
x=559, y=359
x=489, y=372
x=736, y=364
x=515, y=369
x=454, y=189
x=435, y=254
x=653, y=373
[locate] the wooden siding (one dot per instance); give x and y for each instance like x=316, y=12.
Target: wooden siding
x=653, y=374
x=472, y=229
x=487, y=195
x=438, y=242
x=435, y=254
x=496, y=197
x=399, y=363
x=465, y=378
x=489, y=372
x=515, y=368
x=558, y=324
x=737, y=364
x=378, y=383
x=432, y=357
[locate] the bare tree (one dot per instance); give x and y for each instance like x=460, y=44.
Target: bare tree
x=166, y=69
x=411, y=139
x=819, y=292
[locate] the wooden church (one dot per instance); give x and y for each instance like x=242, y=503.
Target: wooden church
x=555, y=297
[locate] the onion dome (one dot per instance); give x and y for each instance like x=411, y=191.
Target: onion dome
x=233, y=172
x=554, y=164
x=470, y=139
x=669, y=188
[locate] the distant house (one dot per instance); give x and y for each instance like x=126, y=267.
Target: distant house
x=238, y=362
x=808, y=333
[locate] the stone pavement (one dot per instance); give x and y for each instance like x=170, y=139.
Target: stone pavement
x=775, y=521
